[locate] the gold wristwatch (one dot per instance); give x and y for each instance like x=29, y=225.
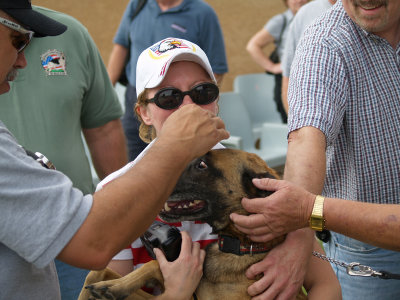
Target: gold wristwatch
x=317, y=221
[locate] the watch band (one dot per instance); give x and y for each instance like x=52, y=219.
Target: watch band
x=317, y=221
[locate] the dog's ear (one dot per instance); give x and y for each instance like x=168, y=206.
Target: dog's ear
x=250, y=189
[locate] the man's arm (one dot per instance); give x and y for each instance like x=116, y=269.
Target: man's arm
x=290, y=206
x=107, y=147
x=285, y=266
x=116, y=63
x=124, y=208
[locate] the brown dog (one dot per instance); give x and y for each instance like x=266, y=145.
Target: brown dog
x=212, y=187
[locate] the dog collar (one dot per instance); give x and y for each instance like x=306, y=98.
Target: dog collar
x=233, y=245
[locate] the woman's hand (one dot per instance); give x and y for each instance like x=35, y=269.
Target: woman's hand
x=182, y=276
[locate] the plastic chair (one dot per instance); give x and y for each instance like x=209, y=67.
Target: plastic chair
x=120, y=90
x=273, y=144
x=257, y=91
x=237, y=120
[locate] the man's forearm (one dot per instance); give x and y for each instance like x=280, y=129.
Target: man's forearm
x=126, y=207
x=380, y=222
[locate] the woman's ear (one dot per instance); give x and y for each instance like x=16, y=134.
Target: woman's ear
x=143, y=112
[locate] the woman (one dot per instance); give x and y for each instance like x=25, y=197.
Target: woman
x=274, y=32
x=173, y=73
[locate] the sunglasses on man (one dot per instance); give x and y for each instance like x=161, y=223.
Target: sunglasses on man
x=201, y=94
x=22, y=40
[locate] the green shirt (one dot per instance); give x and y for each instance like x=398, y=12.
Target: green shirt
x=64, y=88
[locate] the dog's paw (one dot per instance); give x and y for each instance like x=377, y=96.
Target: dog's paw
x=102, y=291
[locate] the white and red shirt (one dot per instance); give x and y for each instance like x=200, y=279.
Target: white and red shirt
x=199, y=231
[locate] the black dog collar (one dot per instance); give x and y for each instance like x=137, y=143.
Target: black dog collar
x=232, y=245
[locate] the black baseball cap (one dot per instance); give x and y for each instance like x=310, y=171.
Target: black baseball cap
x=21, y=10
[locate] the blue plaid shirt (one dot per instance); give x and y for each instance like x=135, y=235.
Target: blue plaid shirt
x=346, y=82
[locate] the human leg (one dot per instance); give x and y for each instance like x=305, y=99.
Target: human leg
x=348, y=250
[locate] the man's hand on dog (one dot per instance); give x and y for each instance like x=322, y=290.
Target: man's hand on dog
x=283, y=269
x=182, y=276
x=194, y=129
x=286, y=210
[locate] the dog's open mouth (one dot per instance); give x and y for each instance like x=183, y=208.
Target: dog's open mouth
x=184, y=207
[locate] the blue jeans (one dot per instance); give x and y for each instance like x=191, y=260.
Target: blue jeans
x=131, y=125
x=71, y=280
x=349, y=250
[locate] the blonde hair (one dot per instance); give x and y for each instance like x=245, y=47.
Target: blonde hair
x=146, y=132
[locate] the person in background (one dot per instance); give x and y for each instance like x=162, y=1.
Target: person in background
x=344, y=91
x=193, y=20
x=274, y=31
x=43, y=216
x=75, y=97
x=304, y=17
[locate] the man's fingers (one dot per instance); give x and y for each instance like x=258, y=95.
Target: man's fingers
x=259, y=286
x=248, y=222
x=268, y=184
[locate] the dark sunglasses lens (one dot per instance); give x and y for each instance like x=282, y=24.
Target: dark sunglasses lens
x=204, y=93
x=21, y=41
x=169, y=98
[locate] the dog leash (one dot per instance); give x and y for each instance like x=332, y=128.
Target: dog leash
x=357, y=269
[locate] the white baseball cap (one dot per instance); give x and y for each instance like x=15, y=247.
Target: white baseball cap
x=153, y=62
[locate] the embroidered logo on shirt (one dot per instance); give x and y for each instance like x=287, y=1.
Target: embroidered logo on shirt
x=53, y=62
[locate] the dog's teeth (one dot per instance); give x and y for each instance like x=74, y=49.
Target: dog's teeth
x=166, y=207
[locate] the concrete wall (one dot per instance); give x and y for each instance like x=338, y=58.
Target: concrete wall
x=239, y=21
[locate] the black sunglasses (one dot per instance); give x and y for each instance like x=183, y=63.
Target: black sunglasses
x=23, y=39
x=201, y=94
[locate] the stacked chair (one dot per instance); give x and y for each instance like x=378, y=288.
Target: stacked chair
x=250, y=115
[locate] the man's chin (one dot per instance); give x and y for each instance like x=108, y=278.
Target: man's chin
x=4, y=87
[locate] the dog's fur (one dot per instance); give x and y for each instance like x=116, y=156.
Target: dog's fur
x=217, y=181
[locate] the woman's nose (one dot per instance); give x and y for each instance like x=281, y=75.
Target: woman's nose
x=187, y=100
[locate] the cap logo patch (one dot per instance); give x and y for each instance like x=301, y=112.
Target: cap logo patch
x=53, y=62
x=162, y=48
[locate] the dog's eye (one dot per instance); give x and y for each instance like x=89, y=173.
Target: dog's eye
x=202, y=165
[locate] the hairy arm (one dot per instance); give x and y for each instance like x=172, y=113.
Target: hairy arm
x=116, y=63
x=126, y=206
x=285, y=266
x=110, y=136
